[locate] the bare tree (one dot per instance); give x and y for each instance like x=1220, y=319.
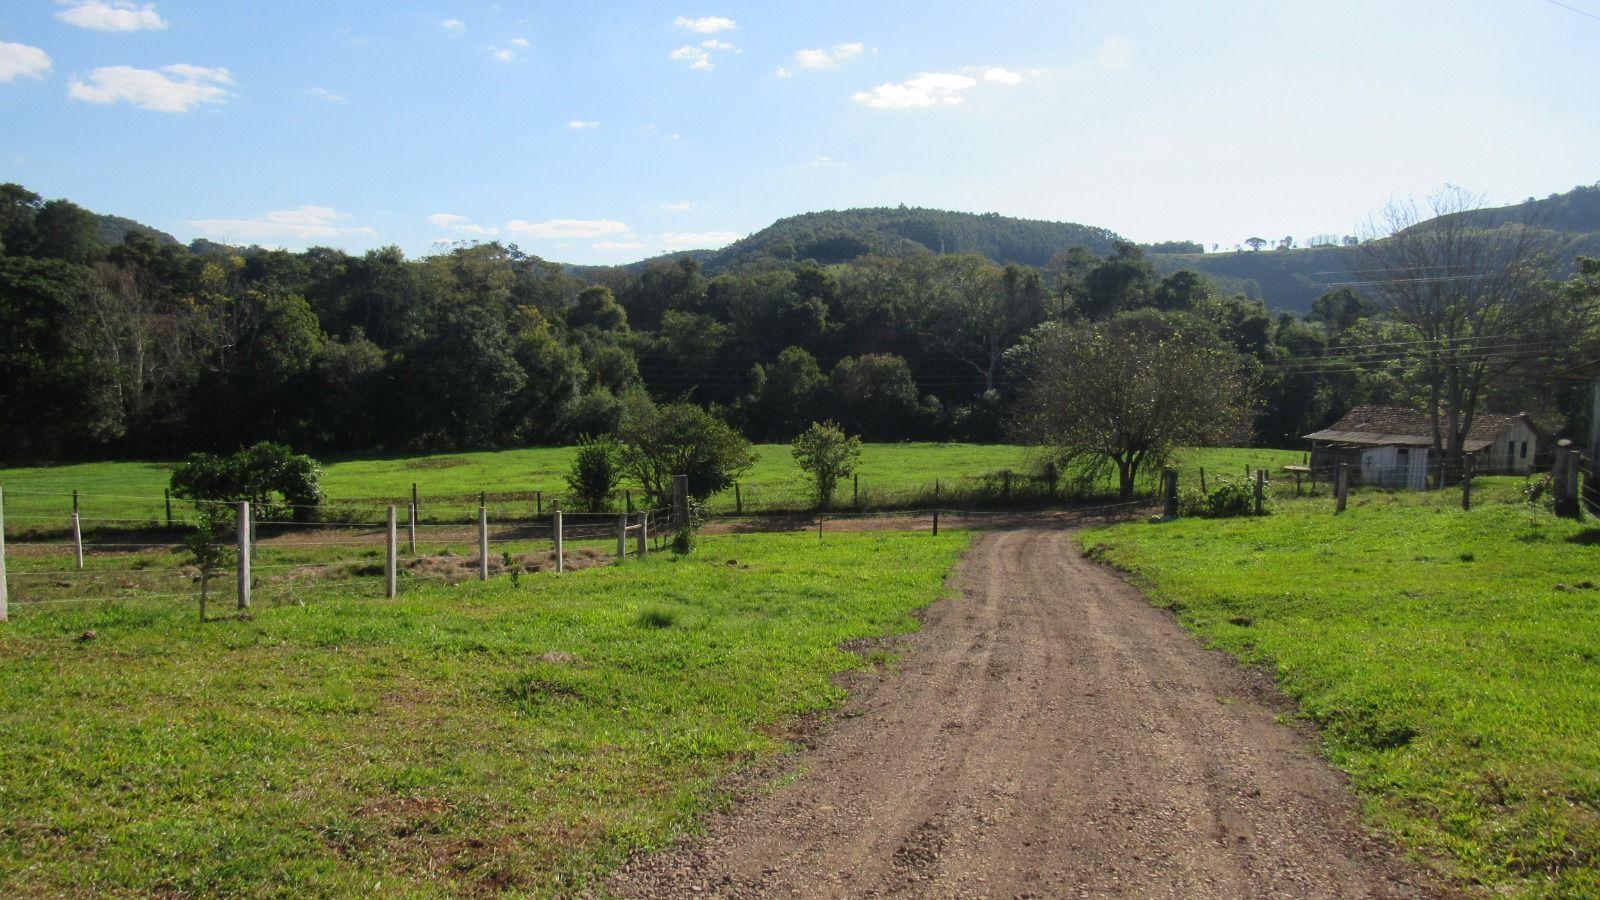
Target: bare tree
x=1112, y=396
x=1475, y=294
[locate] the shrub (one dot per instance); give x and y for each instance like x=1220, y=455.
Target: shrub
x=277, y=481
x=594, y=474
x=682, y=542
x=824, y=452
x=1228, y=498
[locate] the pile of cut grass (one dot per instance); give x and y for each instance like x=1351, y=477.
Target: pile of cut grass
x=1450, y=658
x=457, y=740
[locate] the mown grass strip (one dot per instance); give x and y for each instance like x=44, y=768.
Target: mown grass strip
x=1450, y=658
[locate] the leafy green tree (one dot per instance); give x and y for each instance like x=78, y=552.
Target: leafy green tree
x=597, y=308
x=659, y=443
x=1255, y=243
x=1181, y=291
x=1340, y=309
x=877, y=394
x=826, y=454
x=786, y=394
x=208, y=547
x=1103, y=398
x=277, y=481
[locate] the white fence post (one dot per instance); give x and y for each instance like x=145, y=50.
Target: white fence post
x=245, y=518
x=390, y=563
x=77, y=540
x=622, y=538
x=483, y=544
x=561, y=559
x=5, y=592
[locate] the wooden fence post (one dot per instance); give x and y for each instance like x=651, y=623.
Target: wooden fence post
x=1261, y=489
x=1052, y=475
x=680, y=499
x=936, y=523
x=1466, y=482
x=416, y=507
x=167, y=494
x=628, y=497
x=738, y=500
x=538, y=504
x=1005, y=488
x=483, y=543
x=77, y=540
x=855, y=491
x=1169, y=492
x=622, y=538
x=391, y=552
x=560, y=551
x=245, y=519
x=5, y=587
x=1341, y=487
x=641, y=544
x=411, y=533
x=1203, y=480
x=1564, y=480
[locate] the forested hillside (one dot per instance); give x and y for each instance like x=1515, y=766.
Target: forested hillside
x=122, y=342
x=842, y=236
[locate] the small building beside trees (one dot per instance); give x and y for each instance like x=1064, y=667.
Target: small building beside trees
x=1393, y=446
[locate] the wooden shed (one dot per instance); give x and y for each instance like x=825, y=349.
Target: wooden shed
x=1392, y=446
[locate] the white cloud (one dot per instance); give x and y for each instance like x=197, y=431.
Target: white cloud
x=1116, y=52
x=325, y=94
x=519, y=42
x=170, y=89
x=825, y=162
x=997, y=75
x=303, y=223
x=111, y=15
x=568, y=228
x=828, y=59
x=697, y=240
x=618, y=245
x=705, y=24
x=454, y=26
x=685, y=206
x=502, y=54
x=714, y=44
x=696, y=57
x=581, y=125
x=462, y=224
x=928, y=89
x=22, y=61
x=781, y=72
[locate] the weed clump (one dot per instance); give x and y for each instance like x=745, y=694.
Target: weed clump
x=1231, y=497
x=682, y=543
x=657, y=617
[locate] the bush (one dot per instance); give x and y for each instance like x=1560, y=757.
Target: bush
x=824, y=452
x=278, y=482
x=681, y=439
x=594, y=474
x=1230, y=497
x=682, y=543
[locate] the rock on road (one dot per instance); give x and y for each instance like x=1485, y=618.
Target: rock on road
x=1047, y=733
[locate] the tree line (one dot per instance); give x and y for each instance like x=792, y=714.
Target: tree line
x=150, y=349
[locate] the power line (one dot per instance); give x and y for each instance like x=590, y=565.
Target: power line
x=1581, y=12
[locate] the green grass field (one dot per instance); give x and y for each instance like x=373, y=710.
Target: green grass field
x=1450, y=658
x=129, y=493
x=456, y=740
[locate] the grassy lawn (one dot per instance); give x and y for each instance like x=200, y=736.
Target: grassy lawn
x=38, y=498
x=1450, y=658
x=457, y=739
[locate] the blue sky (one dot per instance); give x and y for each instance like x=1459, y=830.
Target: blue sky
x=604, y=132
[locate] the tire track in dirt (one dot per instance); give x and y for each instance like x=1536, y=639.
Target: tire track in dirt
x=1047, y=733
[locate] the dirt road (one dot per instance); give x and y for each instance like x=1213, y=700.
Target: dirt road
x=1048, y=733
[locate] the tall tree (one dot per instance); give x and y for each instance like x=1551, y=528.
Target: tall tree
x=1476, y=297
x=1104, y=397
